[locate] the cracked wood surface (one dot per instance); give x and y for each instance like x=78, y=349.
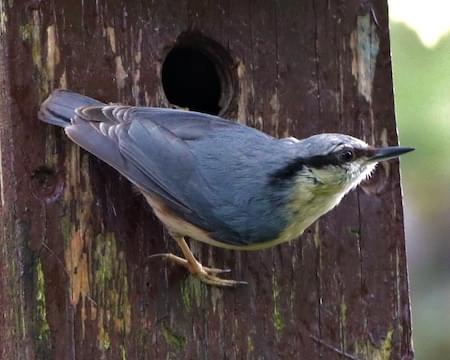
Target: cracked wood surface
x=75, y=278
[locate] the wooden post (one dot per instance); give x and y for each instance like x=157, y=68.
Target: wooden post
x=75, y=278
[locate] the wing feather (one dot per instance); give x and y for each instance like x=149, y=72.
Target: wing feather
x=149, y=148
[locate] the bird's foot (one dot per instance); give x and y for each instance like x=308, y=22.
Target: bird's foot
x=206, y=274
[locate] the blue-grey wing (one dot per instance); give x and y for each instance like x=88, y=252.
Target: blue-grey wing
x=186, y=125
x=97, y=129
x=154, y=149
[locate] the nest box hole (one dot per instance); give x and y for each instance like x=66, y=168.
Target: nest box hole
x=196, y=74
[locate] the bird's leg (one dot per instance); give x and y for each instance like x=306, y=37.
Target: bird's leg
x=205, y=274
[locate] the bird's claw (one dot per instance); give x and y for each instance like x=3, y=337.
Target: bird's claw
x=204, y=273
x=216, y=281
x=216, y=271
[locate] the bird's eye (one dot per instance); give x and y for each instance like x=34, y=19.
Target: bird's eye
x=347, y=155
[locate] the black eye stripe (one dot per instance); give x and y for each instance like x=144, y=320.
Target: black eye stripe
x=290, y=170
x=287, y=172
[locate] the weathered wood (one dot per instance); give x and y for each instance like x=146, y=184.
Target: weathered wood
x=75, y=278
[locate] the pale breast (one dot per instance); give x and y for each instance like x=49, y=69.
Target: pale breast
x=309, y=202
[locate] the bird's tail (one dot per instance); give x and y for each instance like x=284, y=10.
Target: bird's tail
x=60, y=107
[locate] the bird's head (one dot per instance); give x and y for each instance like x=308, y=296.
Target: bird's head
x=335, y=163
x=320, y=171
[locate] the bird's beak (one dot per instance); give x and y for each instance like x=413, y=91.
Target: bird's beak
x=390, y=152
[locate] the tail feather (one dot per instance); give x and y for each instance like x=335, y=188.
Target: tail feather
x=60, y=107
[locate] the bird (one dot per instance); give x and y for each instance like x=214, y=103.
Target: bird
x=214, y=180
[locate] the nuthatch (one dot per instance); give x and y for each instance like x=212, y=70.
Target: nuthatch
x=214, y=180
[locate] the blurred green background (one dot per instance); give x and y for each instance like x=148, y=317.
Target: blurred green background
x=420, y=44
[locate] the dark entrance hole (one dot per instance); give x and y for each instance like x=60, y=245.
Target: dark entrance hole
x=196, y=74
